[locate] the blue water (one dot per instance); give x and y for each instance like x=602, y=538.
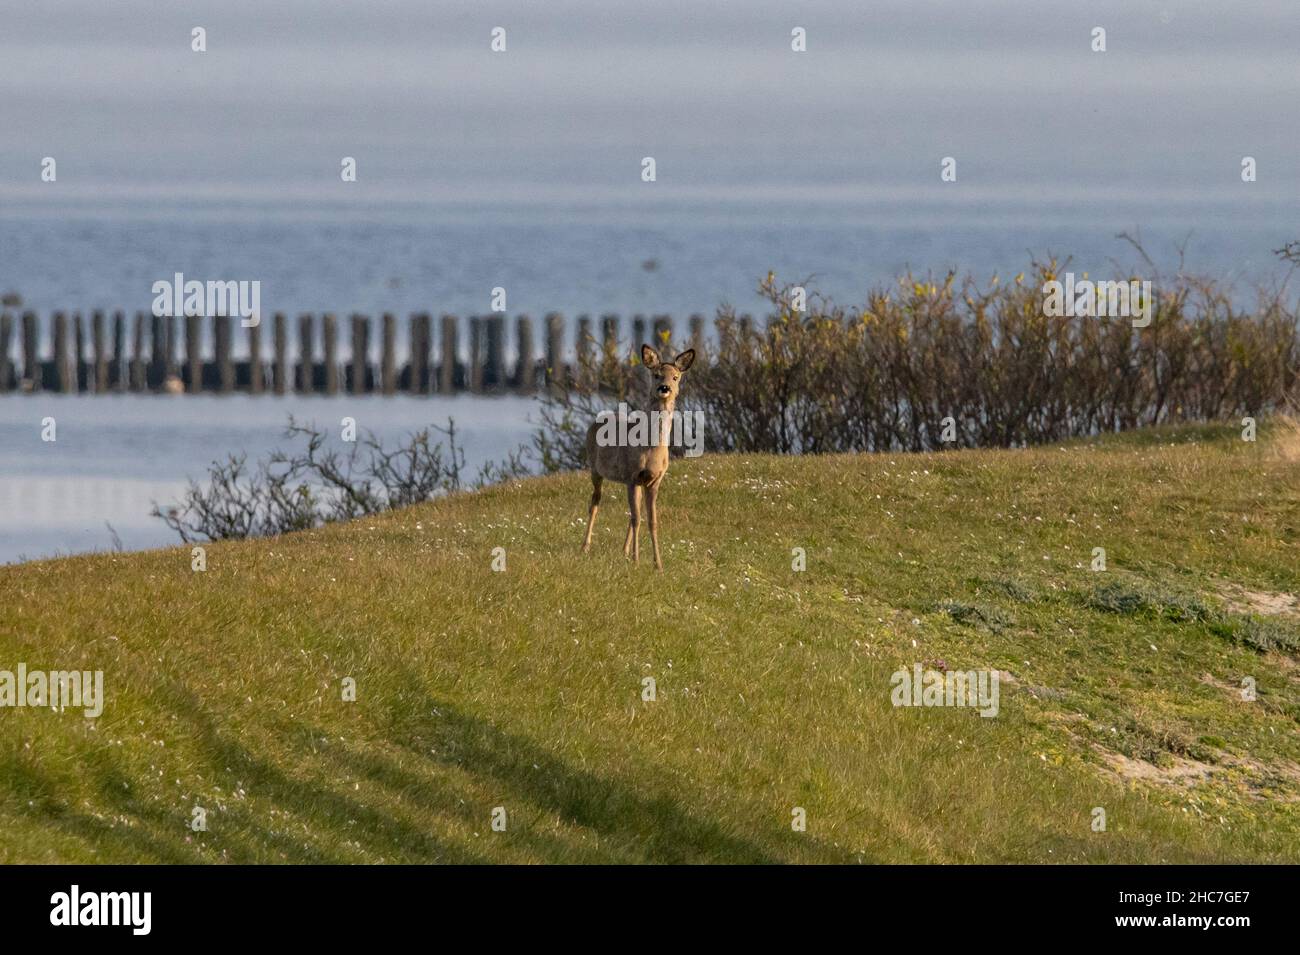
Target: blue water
x=676, y=256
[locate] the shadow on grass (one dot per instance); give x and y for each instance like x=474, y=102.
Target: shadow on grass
x=158, y=831
x=300, y=820
x=346, y=818
x=633, y=826
x=39, y=798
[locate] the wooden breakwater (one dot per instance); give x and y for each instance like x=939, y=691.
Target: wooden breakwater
x=112, y=353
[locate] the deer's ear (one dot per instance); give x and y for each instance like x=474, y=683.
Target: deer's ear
x=685, y=359
x=649, y=357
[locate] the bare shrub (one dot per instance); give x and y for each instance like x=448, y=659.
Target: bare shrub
x=320, y=483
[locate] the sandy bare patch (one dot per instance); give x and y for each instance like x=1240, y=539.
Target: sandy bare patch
x=1259, y=780
x=1181, y=771
x=1240, y=600
x=1210, y=679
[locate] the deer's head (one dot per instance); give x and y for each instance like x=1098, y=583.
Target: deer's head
x=665, y=377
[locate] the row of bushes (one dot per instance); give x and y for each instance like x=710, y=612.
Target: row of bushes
x=884, y=377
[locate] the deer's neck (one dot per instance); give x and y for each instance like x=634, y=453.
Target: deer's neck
x=659, y=415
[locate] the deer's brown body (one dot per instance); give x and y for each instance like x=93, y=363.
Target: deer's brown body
x=639, y=466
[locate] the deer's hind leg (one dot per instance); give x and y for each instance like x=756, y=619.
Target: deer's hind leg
x=596, y=481
x=633, y=543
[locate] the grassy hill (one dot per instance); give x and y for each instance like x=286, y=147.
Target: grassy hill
x=523, y=688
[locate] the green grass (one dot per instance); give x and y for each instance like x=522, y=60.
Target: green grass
x=522, y=689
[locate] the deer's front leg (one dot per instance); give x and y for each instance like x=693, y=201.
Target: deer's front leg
x=652, y=513
x=633, y=543
x=596, y=481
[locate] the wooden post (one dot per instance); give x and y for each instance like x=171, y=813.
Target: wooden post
x=388, y=368
x=225, y=368
x=638, y=333
x=280, y=379
x=609, y=336
x=583, y=345
x=194, y=353
x=306, y=354
x=555, y=350
x=424, y=321
x=475, y=354
x=61, y=376
x=360, y=354
x=526, y=371
x=330, y=328
x=366, y=384
x=697, y=335
x=120, y=373
x=418, y=365
x=447, y=373
x=137, y=359
x=6, y=335
x=256, y=380
x=157, y=354
x=408, y=375
x=170, y=368
x=99, y=341
x=79, y=368
x=32, y=370
x=494, y=374
x=663, y=339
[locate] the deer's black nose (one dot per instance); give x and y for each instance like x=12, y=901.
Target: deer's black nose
x=663, y=389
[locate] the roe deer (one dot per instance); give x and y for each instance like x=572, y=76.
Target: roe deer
x=639, y=465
